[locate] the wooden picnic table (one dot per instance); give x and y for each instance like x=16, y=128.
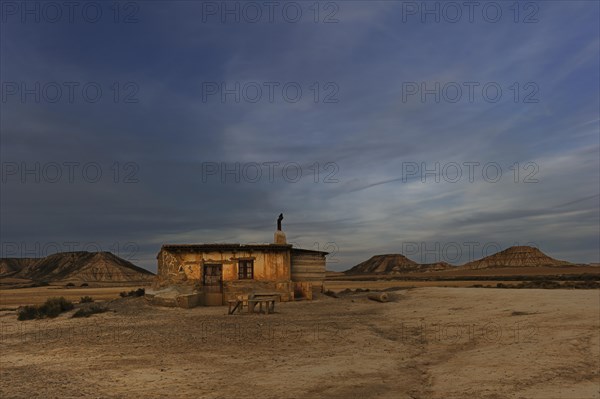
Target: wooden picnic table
x=267, y=301
x=277, y=295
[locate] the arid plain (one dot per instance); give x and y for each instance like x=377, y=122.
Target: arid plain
x=428, y=342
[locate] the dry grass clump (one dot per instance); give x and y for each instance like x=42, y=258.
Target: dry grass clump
x=51, y=308
x=133, y=293
x=90, y=310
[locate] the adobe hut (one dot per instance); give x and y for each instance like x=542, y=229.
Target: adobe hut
x=220, y=272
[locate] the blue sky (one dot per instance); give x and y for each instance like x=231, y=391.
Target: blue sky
x=387, y=155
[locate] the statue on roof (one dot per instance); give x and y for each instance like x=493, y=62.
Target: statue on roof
x=279, y=219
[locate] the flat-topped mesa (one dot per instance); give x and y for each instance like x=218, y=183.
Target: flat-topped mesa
x=395, y=264
x=389, y=263
x=517, y=256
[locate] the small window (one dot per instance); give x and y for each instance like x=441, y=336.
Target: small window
x=246, y=270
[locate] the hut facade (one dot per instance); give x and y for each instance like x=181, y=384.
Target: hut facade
x=220, y=272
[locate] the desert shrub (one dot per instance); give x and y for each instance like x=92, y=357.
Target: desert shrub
x=28, y=312
x=69, y=285
x=330, y=293
x=86, y=299
x=55, y=306
x=133, y=293
x=90, y=310
x=51, y=308
x=85, y=285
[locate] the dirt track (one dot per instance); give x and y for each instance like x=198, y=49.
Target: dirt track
x=430, y=343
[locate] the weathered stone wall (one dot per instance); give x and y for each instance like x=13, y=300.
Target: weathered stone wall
x=304, y=290
x=288, y=272
x=232, y=289
x=176, y=267
x=170, y=269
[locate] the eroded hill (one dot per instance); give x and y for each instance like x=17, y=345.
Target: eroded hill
x=518, y=256
x=394, y=264
x=102, y=267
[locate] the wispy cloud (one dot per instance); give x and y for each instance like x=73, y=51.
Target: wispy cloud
x=365, y=202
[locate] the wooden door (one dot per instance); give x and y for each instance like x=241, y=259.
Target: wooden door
x=212, y=277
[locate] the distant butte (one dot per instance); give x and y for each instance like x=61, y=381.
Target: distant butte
x=394, y=264
x=520, y=256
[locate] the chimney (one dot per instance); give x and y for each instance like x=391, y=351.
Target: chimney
x=279, y=234
x=280, y=238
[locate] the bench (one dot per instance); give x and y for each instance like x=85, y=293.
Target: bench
x=268, y=301
x=235, y=304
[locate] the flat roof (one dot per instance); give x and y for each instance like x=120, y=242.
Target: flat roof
x=236, y=247
x=309, y=251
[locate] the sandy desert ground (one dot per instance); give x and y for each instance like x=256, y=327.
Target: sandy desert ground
x=428, y=343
